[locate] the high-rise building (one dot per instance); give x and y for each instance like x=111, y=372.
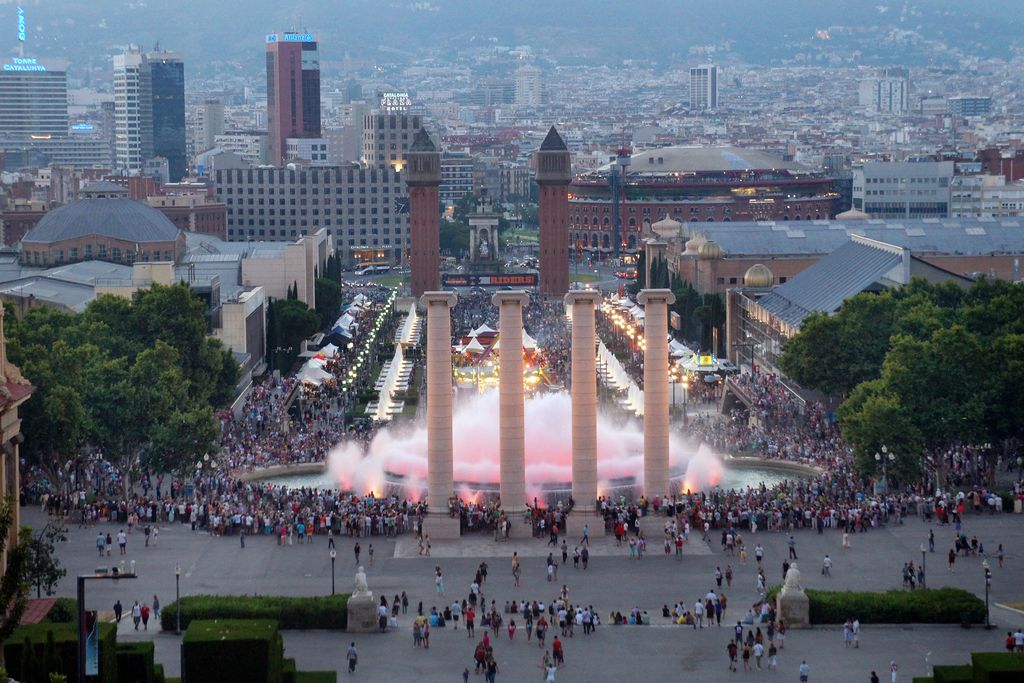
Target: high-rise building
x=133, y=111
x=33, y=98
x=388, y=137
x=529, y=87
x=209, y=124
x=704, y=87
x=167, y=84
x=888, y=92
x=293, y=90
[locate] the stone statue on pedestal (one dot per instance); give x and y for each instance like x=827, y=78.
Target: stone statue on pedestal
x=792, y=604
x=362, y=611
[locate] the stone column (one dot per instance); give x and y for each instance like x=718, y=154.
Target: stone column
x=511, y=420
x=656, y=399
x=440, y=485
x=582, y=305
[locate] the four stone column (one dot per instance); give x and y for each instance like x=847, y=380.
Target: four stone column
x=511, y=418
x=440, y=485
x=582, y=305
x=656, y=398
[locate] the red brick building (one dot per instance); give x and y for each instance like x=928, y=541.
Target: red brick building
x=696, y=184
x=424, y=180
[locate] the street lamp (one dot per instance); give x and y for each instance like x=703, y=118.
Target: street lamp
x=686, y=385
x=334, y=554
x=177, y=598
x=988, y=584
x=884, y=457
x=924, y=566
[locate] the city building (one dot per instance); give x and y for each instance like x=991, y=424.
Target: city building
x=33, y=99
x=192, y=212
x=387, y=138
x=903, y=189
x=364, y=209
x=529, y=86
x=969, y=106
x=133, y=111
x=75, y=151
x=250, y=145
x=985, y=195
x=704, y=87
x=714, y=257
x=167, y=85
x=888, y=92
x=760, y=316
x=106, y=225
x=209, y=124
x=293, y=90
x=694, y=184
x=490, y=92
x=457, y=177
x=313, y=151
x=18, y=218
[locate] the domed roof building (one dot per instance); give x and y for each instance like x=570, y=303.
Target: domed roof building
x=709, y=250
x=667, y=227
x=105, y=225
x=758, y=276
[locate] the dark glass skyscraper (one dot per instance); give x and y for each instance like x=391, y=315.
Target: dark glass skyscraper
x=167, y=77
x=293, y=90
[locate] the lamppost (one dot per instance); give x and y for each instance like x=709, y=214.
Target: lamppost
x=988, y=584
x=177, y=598
x=924, y=566
x=884, y=457
x=101, y=573
x=334, y=554
x=686, y=386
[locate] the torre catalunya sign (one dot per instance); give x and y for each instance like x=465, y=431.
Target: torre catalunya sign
x=24, y=64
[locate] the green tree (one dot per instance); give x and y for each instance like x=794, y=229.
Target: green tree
x=870, y=419
x=13, y=587
x=328, y=300
x=42, y=568
x=292, y=323
x=182, y=439
x=454, y=238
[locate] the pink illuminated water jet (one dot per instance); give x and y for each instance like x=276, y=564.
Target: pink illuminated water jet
x=548, y=452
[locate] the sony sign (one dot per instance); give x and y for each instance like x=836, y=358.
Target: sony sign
x=21, y=24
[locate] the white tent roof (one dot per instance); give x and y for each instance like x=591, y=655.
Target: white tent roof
x=330, y=350
x=528, y=341
x=483, y=329
x=679, y=350
x=313, y=373
x=637, y=312
x=474, y=346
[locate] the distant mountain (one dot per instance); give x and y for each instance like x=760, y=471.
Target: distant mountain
x=571, y=31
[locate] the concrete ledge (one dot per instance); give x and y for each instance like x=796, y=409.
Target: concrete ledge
x=283, y=470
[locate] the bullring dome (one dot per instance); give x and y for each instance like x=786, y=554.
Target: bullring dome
x=758, y=276
x=710, y=250
x=116, y=217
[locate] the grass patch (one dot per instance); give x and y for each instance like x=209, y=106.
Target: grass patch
x=389, y=280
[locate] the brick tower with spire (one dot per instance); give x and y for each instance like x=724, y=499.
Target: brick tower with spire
x=423, y=178
x=554, y=172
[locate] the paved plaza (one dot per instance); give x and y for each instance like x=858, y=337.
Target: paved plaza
x=612, y=582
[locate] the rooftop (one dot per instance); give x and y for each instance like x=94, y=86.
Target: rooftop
x=693, y=159
x=118, y=218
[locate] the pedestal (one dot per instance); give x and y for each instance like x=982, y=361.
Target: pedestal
x=362, y=614
x=441, y=526
x=794, y=608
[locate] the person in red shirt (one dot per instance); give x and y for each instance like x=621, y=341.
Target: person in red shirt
x=557, y=652
x=145, y=617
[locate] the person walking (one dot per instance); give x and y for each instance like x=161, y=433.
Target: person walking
x=122, y=541
x=136, y=614
x=357, y=549
x=805, y=672
x=352, y=656
x=100, y=543
x=893, y=671
x=438, y=580
x=792, y=548
x=826, y=566
x=156, y=607
x=118, y=609
x=144, y=613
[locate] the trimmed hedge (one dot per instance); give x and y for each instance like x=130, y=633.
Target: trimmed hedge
x=316, y=677
x=960, y=673
x=232, y=651
x=997, y=667
x=64, y=650
x=326, y=612
x=64, y=611
x=923, y=606
x=135, y=662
